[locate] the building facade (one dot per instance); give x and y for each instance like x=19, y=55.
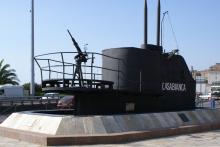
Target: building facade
x=206, y=78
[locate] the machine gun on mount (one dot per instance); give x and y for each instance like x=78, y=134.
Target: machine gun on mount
x=80, y=58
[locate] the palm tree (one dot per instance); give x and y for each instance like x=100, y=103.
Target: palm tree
x=7, y=76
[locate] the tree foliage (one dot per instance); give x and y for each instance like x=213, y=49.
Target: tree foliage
x=7, y=75
x=38, y=88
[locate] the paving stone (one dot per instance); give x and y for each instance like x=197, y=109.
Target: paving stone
x=98, y=125
x=119, y=119
x=206, y=115
x=139, y=121
x=71, y=126
x=110, y=124
x=176, y=119
x=148, y=123
x=199, y=117
x=130, y=123
x=193, y=120
x=169, y=119
x=88, y=125
x=160, y=118
x=212, y=115
x=216, y=113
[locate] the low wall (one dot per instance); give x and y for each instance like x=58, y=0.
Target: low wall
x=65, y=130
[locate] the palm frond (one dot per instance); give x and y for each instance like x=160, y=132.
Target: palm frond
x=7, y=76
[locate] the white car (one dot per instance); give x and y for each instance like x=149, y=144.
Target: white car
x=205, y=97
x=51, y=96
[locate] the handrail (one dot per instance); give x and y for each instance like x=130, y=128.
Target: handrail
x=24, y=101
x=94, y=71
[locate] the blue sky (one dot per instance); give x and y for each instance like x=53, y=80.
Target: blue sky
x=105, y=24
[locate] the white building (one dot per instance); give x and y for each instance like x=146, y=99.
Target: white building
x=205, y=78
x=202, y=86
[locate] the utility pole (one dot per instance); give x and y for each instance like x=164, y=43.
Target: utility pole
x=32, y=84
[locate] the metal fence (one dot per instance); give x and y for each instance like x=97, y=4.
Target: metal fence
x=9, y=101
x=206, y=103
x=14, y=104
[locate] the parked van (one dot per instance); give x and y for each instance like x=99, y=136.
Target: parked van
x=11, y=91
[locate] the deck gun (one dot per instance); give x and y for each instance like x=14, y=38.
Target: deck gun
x=79, y=58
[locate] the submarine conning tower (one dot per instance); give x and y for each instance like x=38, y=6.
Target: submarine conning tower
x=134, y=63
x=150, y=71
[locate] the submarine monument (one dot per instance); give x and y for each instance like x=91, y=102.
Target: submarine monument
x=138, y=93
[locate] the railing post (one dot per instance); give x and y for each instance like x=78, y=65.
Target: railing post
x=49, y=68
x=73, y=75
x=92, y=69
x=41, y=72
x=63, y=69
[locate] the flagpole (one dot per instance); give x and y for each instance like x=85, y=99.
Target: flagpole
x=32, y=84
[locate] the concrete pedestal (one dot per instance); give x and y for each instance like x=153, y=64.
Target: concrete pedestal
x=47, y=129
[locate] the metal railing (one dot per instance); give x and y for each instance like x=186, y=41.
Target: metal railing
x=57, y=68
x=9, y=105
x=206, y=103
x=11, y=101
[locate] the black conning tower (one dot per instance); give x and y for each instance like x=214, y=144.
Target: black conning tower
x=151, y=72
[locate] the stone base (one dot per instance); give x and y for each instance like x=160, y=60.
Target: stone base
x=73, y=130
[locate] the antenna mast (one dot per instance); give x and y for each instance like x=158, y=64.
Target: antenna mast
x=158, y=23
x=145, y=25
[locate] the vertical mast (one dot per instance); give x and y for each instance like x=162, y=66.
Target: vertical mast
x=32, y=84
x=145, y=25
x=158, y=23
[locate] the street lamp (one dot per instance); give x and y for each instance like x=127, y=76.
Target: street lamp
x=32, y=83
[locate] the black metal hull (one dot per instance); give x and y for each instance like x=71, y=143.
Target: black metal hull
x=120, y=102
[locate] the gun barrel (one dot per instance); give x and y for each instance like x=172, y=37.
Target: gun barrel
x=75, y=43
